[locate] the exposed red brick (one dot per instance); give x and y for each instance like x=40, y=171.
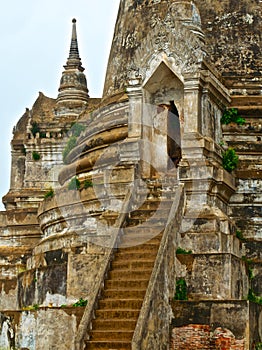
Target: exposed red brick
x=201, y=337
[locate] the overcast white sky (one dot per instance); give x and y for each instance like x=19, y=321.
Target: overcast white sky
x=35, y=39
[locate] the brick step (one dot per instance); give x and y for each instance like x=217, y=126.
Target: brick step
x=145, y=213
x=154, y=203
x=117, y=314
x=149, y=238
x=114, y=324
x=141, y=230
x=128, y=284
x=106, y=345
x=133, y=253
x=125, y=287
x=153, y=222
x=111, y=304
x=139, y=248
x=134, y=241
x=137, y=237
x=123, y=335
x=133, y=265
x=130, y=275
x=135, y=256
x=124, y=294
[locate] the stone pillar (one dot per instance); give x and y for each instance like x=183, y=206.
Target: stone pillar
x=192, y=104
x=135, y=95
x=201, y=165
x=215, y=270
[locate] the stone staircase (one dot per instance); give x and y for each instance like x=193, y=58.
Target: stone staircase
x=129, y=275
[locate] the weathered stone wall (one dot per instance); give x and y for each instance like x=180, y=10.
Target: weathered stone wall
x=161, y=51
x=56, y=275
x=19, y=230
x=229, y=51
x=222, y=21
x=78, y=226
x=45, y=286
x=213, y=276
x=45, y=328
x=246, y=203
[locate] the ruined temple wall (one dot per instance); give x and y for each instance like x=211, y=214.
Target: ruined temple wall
x=31, y=329
x=222, y=21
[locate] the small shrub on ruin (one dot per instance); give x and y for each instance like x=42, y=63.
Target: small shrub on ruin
x=74, y=184
x=76, y=129
x=231, y=115
x=49, y=194
x=183, y=251
x=71, y=143
x=88, y=183
x=181, y=290
x=253, y=297
x=80, y=302
x=35, y=129
x=230, y=160
x=36, y=156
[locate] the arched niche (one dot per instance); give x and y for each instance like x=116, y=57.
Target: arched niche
x=163, y=95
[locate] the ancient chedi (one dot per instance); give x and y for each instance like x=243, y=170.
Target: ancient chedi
x=134, y=221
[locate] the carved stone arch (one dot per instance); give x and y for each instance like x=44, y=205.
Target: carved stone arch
x=173, y=49
x=178, y=37
x=163, y=83
x=163, y=92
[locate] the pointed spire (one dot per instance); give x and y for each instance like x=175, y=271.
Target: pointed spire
x=74, y=59
x=73, y=86
x=74, y=53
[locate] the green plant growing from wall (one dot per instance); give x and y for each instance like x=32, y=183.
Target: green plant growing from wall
x=80, y=302
x=239, y=235
x=250, y=273
x=49, y=194
x=248, y=263
x=230, y=160
x=36, y=156
x=231, y=115
x=258, y=346
x=74, y=184
x=35, y=129
x=76, y=129
x=88, y=183
x=253, y=297
x=71, y=143
x=181, y=290
x=183, y=251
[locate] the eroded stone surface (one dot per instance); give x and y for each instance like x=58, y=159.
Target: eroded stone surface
x=199, y=57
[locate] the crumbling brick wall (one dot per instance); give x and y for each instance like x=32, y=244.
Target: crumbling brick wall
x=196, y=336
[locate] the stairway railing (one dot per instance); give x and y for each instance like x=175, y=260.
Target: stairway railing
x=88, y=315
x=152, y=328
